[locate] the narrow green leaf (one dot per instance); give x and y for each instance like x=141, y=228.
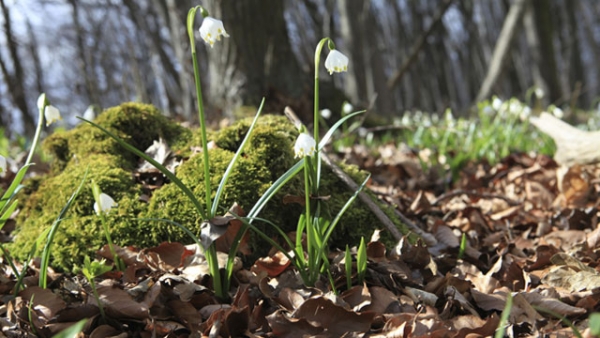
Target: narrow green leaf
x=45, y=262
x=361, y=260
x=233, y=161
x=157, y=165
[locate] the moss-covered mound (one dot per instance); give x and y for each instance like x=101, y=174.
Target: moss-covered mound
x=267, y=156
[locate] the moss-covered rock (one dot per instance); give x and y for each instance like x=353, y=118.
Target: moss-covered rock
x=268, y=155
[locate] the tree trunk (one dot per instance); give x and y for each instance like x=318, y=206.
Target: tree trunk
x=16, y=79
x=256, y=61
x=502, y=49
x=547, y=62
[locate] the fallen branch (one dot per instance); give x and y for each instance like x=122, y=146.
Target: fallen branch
x=573, y=146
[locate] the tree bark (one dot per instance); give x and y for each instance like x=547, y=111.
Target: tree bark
x=547, y=62
x=256, y=60
x=16, y=79
x=502, y=49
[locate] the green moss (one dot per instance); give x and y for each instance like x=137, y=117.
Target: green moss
x=268, y=155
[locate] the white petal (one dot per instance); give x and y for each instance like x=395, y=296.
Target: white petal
x=52, y=114
x=211, y=30
x=305, y=145
x=336, y=62
x=2, y=164
x=106, y=202
x=326, y=113
x=41, y=102
x=89, y=113
x=347, y=108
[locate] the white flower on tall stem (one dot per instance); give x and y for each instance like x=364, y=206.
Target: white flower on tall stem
x=211, y=30
x=106, y=203
x=52, y=114
x=3, y=164
x=305, y=145
x=336, y=62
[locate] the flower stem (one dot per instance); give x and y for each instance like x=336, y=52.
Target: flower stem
x=317, y=158
x=201, y=116
x=38, y=131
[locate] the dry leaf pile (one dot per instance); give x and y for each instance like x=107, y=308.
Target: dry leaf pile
x=531, y=229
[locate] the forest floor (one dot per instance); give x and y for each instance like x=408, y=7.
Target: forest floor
x=531, y=235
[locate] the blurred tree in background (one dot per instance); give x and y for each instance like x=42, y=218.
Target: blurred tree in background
x=405, y=54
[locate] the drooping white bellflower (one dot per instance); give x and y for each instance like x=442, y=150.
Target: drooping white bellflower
x=52, y=114
x=336, y=62
x=305, y=145
x=211, y=30
x=106, y=202
x=3, y=164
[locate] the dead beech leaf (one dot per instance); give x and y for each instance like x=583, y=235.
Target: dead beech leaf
x=381, y=299
x=273, y=265
x=117, y=303
x=225, y=242
x=335, y=319
x=45, y=302
x=552, y=304
x=488, y=302
x=357, y=297
x=286, y=327
x=289, y=299
x=486, y=330
x=421, y=204
x=574, y=187
x=168, y=256
x=104, y=331
x=186, y=313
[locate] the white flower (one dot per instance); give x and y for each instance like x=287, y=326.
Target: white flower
x=41, y=102
x=2, y=164
x=106, y=203
x=211, y=30
x=539, y=92
x=326, y=113
x=558, y=112
x=496, y=103
x=336, y=62
x=52, y=114
x=347, y=108
x=89, y=113
x=305, y=145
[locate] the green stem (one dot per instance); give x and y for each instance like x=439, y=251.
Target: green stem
x=203, y=135
x=100, y=307
x=213, y=265
x=317, y=158
x=201, y=116
x=118, y=263
x=38, y=131
x=308, y=219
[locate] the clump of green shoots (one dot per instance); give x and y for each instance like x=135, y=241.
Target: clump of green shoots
x=91, y=270
x=8, y=202
x=211, y=31
x=315, y=224
x=498, y=128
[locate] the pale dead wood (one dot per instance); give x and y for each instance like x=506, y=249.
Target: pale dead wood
x=573, y=146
